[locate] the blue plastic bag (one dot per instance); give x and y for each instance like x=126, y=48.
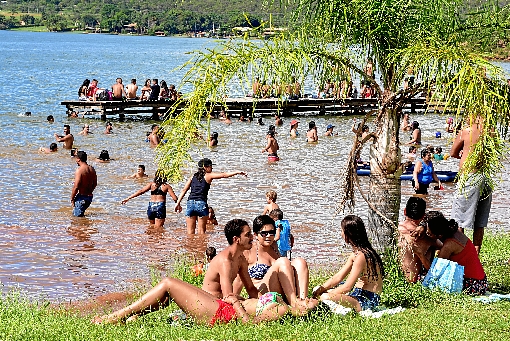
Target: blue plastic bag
x=446, y=275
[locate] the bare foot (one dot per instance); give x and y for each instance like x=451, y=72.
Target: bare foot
x=105, y=319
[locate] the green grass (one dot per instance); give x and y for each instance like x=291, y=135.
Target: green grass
x=30, y=29
x=430, y=315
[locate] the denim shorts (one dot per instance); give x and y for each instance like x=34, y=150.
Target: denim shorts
x=81, y=203
x=367, y=299
x=156, y=210
x=196, y=208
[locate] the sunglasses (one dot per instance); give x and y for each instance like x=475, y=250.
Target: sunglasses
x=267, y=233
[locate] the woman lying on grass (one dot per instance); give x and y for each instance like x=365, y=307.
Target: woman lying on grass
x=361, y=290
x=203, y=307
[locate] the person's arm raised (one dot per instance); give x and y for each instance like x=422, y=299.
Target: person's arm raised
x=212, y=176
x=140, y=192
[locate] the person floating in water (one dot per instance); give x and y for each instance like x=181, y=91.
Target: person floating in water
x=53, y=148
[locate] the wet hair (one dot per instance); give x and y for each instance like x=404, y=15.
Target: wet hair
x=234, y=228
x=365, y=128
x=142, y=167
x=260, y=221
x=53, y=146
x=439, y=150
x=412, y=149
x=276, y=213
x=159, y=178
x=424, y=152
x=104, y=155
x=214, y=135
x=415, y=208
x=108, y=124
x=153, y=126
x=210, y=253
x=272, y=128
x=415, y=125
x=271, y=195
x=133, y=80
x=81, y=155
x=271, y=133
x=67, y=126
x=439, y=225
x=356, y=236
x=50, y=118
x=259, y=121
x=311, y=125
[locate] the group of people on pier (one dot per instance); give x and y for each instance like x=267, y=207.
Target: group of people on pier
x=151, y=91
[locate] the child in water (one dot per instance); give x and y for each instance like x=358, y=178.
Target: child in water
x=271, y=202
x=360, y=280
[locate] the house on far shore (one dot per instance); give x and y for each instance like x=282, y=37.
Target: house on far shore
x=131, y=28
x=160, y=33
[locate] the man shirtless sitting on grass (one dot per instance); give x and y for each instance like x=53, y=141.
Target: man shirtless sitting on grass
x=415, y=247
x=215, y=302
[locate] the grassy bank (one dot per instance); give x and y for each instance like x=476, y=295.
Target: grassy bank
x=429, y=316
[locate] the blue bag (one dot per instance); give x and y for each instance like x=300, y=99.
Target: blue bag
x=446, y=275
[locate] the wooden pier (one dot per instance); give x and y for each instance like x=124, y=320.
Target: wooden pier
x=236, y=106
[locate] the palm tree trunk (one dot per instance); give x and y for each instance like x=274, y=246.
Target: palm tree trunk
x=385, y=190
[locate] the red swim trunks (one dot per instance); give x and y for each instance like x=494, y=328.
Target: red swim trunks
x=224, y=314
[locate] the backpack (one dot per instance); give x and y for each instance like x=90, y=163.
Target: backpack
x=104, y=95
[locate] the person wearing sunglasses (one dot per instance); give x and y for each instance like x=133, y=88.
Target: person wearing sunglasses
x=272, y=273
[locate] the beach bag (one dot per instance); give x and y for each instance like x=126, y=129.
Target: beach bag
x=446, y=275
x=104, y=95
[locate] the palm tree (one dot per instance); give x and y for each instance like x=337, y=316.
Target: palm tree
x=441, y=40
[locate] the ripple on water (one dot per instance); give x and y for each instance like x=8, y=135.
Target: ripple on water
x=49, y=253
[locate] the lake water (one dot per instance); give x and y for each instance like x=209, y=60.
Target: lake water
x=47, y=252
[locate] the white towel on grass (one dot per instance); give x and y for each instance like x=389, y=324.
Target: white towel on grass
x=490, y=298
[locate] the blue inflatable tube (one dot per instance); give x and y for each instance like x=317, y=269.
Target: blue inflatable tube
x=443, y=176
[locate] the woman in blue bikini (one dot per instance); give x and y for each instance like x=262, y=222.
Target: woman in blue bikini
x=359, y=283
x=276, y=277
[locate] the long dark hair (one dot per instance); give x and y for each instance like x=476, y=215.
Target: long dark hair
x=439, y=225
x=86, y=84
x=356, y=236
x=200, y=174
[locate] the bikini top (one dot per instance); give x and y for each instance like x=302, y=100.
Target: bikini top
x=158, y=191
x=258, y=270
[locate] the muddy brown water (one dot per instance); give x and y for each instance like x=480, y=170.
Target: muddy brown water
x=51, y=255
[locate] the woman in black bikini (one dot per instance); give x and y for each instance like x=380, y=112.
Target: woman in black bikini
x=156, y=212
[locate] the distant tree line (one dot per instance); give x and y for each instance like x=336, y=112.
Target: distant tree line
x=149, y=16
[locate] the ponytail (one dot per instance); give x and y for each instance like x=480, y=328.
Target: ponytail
x=200, y=174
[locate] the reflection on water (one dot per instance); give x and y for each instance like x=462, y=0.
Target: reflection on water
x=48, y=252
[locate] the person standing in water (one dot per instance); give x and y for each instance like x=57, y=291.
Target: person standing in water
x=156, y=212
x=271, y=147
x=85, y=181
x=196, y=206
